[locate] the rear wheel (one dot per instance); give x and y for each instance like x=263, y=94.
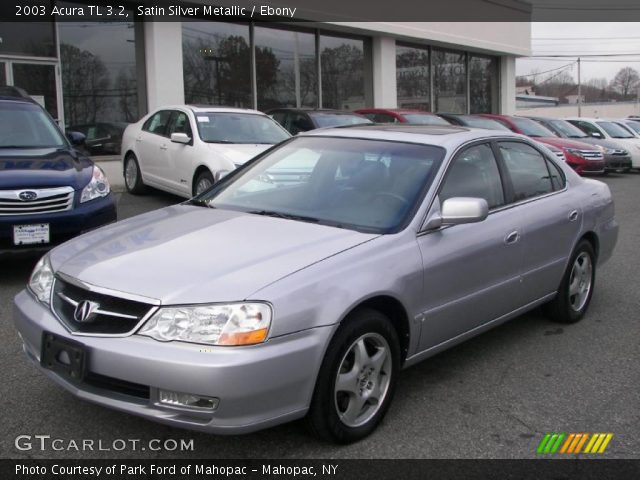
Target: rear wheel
x=576, y=289
x=132, y=175
x=357, y=378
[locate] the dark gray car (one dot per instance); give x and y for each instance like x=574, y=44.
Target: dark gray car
x=262, y=301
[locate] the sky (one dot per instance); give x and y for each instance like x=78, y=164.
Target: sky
x=560, y=38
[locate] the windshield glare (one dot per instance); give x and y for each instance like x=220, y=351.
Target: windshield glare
x=338, y=119
x=424, y=119
x=238, y=128
x=365, y=185
x=567, y=129
x=27, y=126
x=531, y=128
x=614, y=130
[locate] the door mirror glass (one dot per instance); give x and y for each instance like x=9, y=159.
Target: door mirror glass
x=76, y=138
x=460, y=210
x=180, y=138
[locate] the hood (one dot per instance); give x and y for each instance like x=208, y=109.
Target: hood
x=238, y=153
x=43, y=168
x=187, y=254
x=565, y=143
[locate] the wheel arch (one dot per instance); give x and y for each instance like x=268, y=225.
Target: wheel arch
x=197, y=172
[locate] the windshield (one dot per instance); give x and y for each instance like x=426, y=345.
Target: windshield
x=633, y=125
x=337, y=119
x=24, y=125
x=479, y=122
x=424, y=119
x=531, y=128
x=364, y=185
x=215, y=127
x=566, y=129
x=614, y=130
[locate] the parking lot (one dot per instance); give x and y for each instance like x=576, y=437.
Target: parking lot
x=494, y=396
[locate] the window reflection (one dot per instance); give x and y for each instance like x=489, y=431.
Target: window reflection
x=285, y=68
x=483, y=84
x=412, y=77
x=449, y=81
x=342, y=64
x=217, y=64
x=99, y=78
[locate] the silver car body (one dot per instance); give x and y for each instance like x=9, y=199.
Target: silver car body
x=441, y=285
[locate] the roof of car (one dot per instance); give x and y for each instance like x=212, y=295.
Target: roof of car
x=310, y=110
x=215, y=108
x=394, y=110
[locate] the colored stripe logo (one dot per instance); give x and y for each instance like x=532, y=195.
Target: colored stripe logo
x=573, y=443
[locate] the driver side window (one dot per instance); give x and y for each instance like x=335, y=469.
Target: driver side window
x=474, y=173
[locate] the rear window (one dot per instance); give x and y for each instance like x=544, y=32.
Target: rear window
x=24, y=125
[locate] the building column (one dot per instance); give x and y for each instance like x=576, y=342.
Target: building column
x=507, y=85
x=163, y=62
x=384, y=72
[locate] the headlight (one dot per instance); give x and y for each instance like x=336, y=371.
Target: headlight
x=41, y=280
x=230, y=324
x=575, y=152
x=608, y=151
x=97, y=187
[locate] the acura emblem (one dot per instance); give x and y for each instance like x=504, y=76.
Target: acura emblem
x=27, y=196
x=85, y=311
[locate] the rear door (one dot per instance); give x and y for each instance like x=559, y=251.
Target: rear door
x=551, y=216
x=472, y=271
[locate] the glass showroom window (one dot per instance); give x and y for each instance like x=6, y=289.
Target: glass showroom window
x=449, y=81
x=342, y=72
x=412, y=77
x=217, y=64
x=99, y=80
x=286, y=73
x=483, y=84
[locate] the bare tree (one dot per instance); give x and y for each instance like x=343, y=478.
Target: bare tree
x=626, y=81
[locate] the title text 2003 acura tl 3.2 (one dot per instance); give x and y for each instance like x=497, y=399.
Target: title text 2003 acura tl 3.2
x=303, y=282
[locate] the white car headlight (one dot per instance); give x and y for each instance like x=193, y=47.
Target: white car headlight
x=97, y=187
x=41, y=280
x=229, y=324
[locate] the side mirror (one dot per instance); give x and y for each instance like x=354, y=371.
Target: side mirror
x=460, y=210
x=77, y=139
x=180, y=138
x=596, y=134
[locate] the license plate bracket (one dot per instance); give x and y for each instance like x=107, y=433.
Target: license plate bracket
x=63, y=356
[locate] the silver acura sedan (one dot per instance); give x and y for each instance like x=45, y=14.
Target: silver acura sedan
x=302, y=283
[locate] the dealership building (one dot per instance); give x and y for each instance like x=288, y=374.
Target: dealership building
x=90, y=71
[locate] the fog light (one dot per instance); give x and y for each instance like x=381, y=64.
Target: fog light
x=177, y=399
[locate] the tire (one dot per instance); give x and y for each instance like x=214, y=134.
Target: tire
x=132, y=175
x=203, y=182
x=362, y=339
x=576, y=288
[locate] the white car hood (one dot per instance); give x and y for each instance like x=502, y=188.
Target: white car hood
x=238, y=153
x=188, y=254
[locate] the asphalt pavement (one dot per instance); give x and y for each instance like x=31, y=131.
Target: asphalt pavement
x=494, y=396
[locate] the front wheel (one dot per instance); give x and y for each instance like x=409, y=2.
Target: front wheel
x=203, y=182
x=357, y=379
x=576, y=288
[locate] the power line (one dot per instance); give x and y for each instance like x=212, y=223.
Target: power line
x=547, y=71
x=574, y=55
x=585, y=38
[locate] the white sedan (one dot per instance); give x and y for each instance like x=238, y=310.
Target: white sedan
x=185, y=149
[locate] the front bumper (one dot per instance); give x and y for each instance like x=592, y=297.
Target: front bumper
x=617, y=162
x=63, y=225
x=258, y=386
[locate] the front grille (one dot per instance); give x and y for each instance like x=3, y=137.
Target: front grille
x=116, y=385
x=110, y=315
x=48, y=200
x=591, y=154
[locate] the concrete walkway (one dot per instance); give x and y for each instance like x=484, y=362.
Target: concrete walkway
x=112, y=167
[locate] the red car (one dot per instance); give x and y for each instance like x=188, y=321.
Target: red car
x=582, y=157
x=400, y=115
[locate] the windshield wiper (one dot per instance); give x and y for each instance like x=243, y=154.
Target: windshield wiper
x=200, y=203
x=288, y=216
x=219, y=141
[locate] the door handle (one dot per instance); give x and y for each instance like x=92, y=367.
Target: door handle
x=573, y=215
x=139, y=139
x=512, y=237
x=163, y=147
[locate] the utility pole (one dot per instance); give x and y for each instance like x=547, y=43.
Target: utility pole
x=579, y=91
